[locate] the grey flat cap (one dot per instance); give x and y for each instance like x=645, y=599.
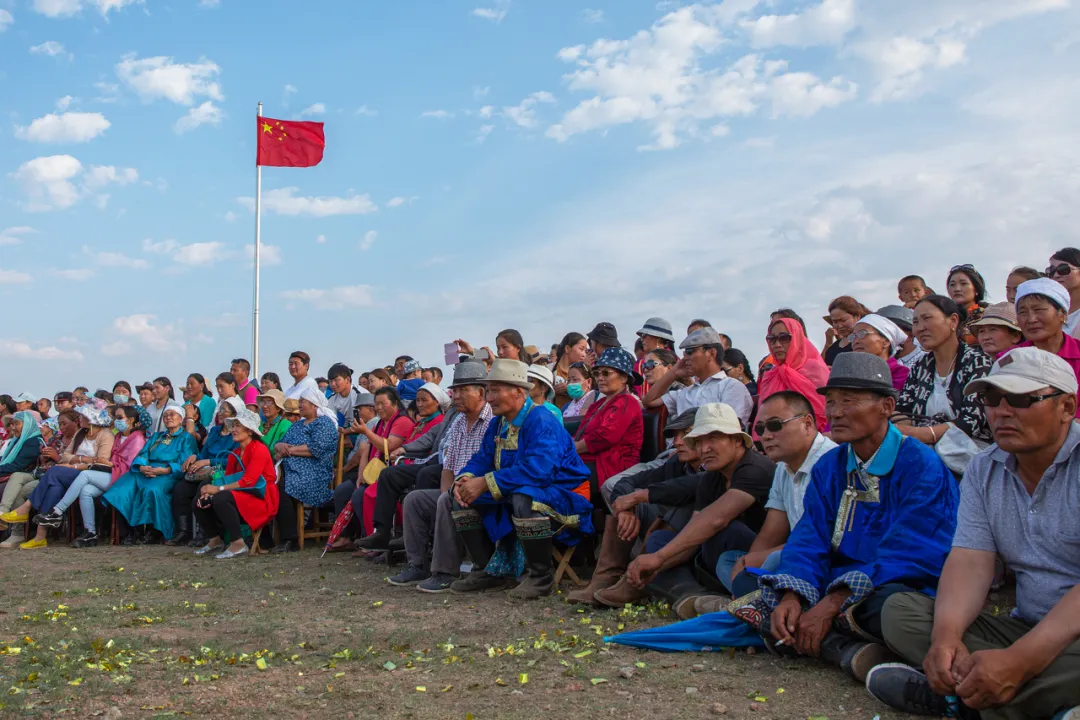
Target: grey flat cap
x=704, y=336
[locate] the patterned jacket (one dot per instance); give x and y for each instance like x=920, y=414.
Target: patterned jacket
x=971, y=363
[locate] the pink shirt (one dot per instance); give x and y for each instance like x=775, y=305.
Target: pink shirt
x=249, y=394
x=1070, y=353
x=124, y=452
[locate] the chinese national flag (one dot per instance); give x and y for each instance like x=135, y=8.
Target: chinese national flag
x=284, y=143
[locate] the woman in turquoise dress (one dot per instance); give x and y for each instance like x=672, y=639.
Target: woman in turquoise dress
x=143, y=496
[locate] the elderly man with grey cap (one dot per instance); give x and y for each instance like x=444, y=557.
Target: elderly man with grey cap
x=432, y=545
x=1019, y=499
x=878, y=516
x=703, y=359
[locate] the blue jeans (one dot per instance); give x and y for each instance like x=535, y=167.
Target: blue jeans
x=726, y=564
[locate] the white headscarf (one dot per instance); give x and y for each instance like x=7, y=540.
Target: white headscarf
x=317, y=397
x=890, y=330
x=438, y=393
x=236, y=403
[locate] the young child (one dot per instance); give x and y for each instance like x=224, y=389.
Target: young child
x=911, y=290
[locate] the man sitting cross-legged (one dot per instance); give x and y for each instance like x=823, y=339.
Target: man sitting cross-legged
x=788, y=431
x=428, y=521
x=633, y=514
x=729, y=509
x=1019, y=499
x=878, y=517
x=525, y=477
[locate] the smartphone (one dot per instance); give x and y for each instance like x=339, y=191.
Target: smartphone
x=482, y=354
x=451, y=353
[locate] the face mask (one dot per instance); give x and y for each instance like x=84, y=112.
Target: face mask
x=574, y=390
x=121, y=425
x=121, y=399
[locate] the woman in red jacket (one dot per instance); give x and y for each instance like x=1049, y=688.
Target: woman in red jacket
x=610, y=436
x=248, y=490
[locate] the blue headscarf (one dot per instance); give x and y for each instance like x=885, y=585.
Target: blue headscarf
x=30, y=431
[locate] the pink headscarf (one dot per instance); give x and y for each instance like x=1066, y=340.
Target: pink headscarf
x=803, y=371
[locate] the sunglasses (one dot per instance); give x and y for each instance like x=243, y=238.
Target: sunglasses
x=773, y=425
x=1059, y=270
x=649, y=365
x=781, y=338
x=605, y=373
x=993, y=398
x=965, y=266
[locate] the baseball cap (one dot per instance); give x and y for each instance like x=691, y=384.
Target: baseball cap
x=1026, y=370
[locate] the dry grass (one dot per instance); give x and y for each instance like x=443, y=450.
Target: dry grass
x=154, y=632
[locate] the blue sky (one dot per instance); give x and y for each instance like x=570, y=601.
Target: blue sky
x=508, y=163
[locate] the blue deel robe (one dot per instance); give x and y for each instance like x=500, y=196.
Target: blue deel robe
x=217, y=447
x=532, y=455
x=148, y=501
x=898, y=530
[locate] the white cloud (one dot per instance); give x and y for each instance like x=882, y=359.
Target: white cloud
x=23, y=351
x=320, y=239
x=101, y=176
x=524, y=114
x=437, y=114
x=494, y=14
x=315, y=109
x=51, y=48
x=285, y=201
x=482, y=133
x=203, y=253
x=115, y=349
x=73, y=275
x=67, y=8
x=290, y=89
x=366, y=111
x=144, y=330
x=206, y=114
x=480, y=91
x=824, y=24
x=6, y=19
x=164, y=247
x=399, y=201
x=592, y=16
x=47, y=182
x=368, y=240
x=70, y=127
x=338, y=298
x=268, y=254
x=230, y=216
x=659, y=77
x=10, y=236
x=64, y=103
x=900, y=63
x=159, y=78
x=106, y=258
x=486, y=111
x=13, y=277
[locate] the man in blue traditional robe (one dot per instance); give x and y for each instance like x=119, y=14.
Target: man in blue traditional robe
x=879, y=517
x=526, y=483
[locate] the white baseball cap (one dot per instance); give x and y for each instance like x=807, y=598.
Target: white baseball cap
x=1026, y=370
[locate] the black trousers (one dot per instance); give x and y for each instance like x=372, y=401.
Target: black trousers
x=286, y=516
x=183, y=497
x=221, y=515
x=396, y=482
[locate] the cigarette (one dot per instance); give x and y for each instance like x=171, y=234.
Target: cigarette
x=782, y=641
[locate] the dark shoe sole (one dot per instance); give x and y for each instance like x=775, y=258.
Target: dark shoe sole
x=410, y=583
x=430, y=591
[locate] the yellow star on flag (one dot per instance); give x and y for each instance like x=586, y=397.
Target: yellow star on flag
x=267, y=128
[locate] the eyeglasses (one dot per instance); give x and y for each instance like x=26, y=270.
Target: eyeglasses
x=993, y=398
x=230, y=423
x=773, y=425
x=860, y=335
x=965, y=266
x=1059, y=270
x=781, y=338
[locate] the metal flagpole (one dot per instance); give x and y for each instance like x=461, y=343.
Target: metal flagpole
x=258, y=231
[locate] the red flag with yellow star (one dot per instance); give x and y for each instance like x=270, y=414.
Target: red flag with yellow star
x=286, y=143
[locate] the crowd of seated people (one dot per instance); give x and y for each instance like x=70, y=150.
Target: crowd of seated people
x=853, y=504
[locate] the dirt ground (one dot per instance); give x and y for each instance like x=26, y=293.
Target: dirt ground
x=155, y=632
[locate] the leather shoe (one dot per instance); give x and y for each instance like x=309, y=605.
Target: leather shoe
x=285, y=547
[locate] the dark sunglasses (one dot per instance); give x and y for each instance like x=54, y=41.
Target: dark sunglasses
x=781, y=338
x=1059, y=270
x=649, y=365
x=773, y=425
x=993, y=398
x=965, y=266
x=605, y=372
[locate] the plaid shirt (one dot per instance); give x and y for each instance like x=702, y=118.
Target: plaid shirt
x=462, y=443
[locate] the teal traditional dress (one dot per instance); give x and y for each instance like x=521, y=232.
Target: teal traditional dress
x=148, y=501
